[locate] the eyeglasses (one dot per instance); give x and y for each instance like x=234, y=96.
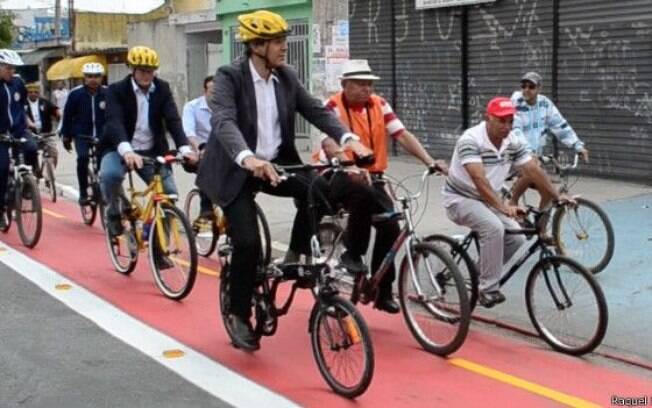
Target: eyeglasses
x=528, y=85
x=92, y=75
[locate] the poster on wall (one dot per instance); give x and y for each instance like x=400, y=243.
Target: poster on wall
x=427, y=4
x=335, y=56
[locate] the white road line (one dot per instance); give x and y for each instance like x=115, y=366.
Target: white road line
x=194, y=367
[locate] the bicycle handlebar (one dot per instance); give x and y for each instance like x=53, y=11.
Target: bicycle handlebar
x=550, y=159
x=411, y=197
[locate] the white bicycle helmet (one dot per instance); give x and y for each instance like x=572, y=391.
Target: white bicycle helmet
x=93, y=68
x=10, y=57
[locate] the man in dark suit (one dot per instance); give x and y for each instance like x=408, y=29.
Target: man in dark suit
x=40, y=113
x=139, y=109
x=254, y=106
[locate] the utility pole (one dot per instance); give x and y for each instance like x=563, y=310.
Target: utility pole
x=57, y=20
x=71, y=22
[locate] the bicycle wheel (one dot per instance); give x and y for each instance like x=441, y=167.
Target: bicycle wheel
x=173, y=261
x=49, y=179
x=89, y=211
x=434, y=299
x=123, y=249
x=29, y=214
x=206, y=234
x=265, y=236
x=584, y=233
x=566, y=305
x=465, y=264
x=341, y=345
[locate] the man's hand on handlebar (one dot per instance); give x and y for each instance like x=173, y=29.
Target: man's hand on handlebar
x=67, y=143
x=584, y=155
x=192, y=157
x=133, y=160
x=512, y=211
x=262, y=169
x=358, y=149
x=439, y=166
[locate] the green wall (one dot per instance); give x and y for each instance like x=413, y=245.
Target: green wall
x=228, y=11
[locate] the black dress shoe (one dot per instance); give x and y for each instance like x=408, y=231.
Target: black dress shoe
x=114, y=226
x=491, y=299
x=387, y=304
x=242, y=334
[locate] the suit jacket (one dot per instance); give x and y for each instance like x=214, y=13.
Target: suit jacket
x=47, y=111
x=235, y=126
x=122, y=113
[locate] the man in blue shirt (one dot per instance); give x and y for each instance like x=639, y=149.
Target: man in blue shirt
x=196, y=120
x=535, y=117
x=13, y=96
x=83, y=115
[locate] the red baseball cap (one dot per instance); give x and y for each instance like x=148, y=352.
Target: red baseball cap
x=500, y=107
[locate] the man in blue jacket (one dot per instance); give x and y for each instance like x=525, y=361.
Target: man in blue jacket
x=83, y=115
x=12, y=119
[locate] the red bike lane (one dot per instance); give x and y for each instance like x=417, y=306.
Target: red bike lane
x=488, y=370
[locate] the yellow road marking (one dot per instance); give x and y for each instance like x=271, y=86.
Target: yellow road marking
x=53, y=214
x=63, y=286
x=545, y=392
x=174, y=353
x=200, y=269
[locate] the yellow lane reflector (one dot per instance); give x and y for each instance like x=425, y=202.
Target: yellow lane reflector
x=63, y=286
x=53, y=214
x=200, y=269
x=540, y=390
x=174, y=353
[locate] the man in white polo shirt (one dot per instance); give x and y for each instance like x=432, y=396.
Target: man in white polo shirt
x=481, y=162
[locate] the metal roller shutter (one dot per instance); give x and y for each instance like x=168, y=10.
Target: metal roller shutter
x=506, y=39
x=428, y=75
x=370, y=37
x=605, y=82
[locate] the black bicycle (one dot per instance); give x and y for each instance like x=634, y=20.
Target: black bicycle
x=95, y=204
x=22, y=195
x=433, y=297
x=564, y=301
x=581, y=231
x=46, y=164
x=340, y=339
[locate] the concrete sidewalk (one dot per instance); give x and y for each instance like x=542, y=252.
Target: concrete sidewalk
x=627, y=281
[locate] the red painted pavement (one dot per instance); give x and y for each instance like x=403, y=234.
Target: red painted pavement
x=405, y=376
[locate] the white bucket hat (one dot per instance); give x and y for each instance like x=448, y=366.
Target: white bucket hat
x=357, y=69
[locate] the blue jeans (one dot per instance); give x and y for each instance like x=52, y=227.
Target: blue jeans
x=31, y=158
x=112, y=174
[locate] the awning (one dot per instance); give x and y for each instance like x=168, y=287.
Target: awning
x=71, y=67
x=37, y=56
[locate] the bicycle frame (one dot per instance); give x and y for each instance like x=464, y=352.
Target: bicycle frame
x=154, y=195
x=472, y=238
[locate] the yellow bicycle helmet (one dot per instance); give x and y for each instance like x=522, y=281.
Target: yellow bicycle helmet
x=142, y=57
x=263, y=25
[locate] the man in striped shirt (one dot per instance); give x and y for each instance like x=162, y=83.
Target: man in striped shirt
x=482, y=160
x=371, y=118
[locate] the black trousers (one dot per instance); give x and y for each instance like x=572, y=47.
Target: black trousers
x=245, y=238
x=362, y=201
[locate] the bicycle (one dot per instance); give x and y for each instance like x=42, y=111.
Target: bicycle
x=335, y=325
x=561, y=277
x=22, y=195
x=434, y=299
x=46, y=166
x=95, y=203
x=207, y=235
x=581, y=231
x=161, y=227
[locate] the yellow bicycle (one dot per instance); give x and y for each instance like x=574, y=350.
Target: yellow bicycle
x=151, y=220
